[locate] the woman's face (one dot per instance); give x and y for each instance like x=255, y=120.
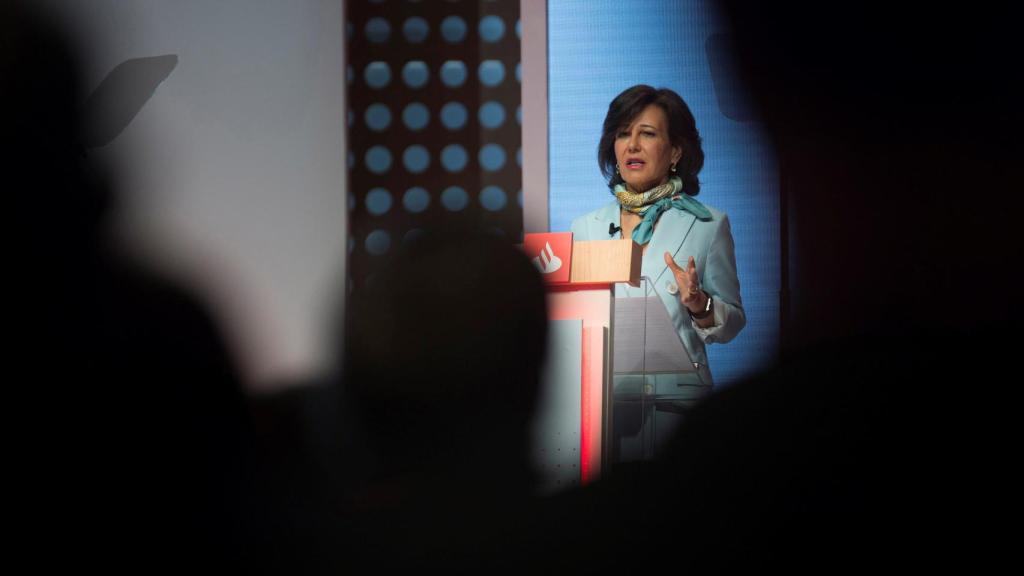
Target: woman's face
x=643, y=151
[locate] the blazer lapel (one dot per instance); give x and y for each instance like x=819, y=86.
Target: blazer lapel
x=598, y=225
x=671, y=231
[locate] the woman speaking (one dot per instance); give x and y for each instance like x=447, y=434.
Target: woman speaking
x=650, y=153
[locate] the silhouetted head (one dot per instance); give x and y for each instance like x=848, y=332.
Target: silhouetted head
x=445, y=349
x=56, y=206
x=41, y=90
x=896, y=128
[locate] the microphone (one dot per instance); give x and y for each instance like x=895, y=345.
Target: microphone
x=612, y=228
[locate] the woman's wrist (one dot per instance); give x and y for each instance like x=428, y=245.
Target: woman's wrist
x=705, y=309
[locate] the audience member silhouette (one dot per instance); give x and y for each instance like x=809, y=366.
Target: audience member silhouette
x=445, y=347
x=896, y=132
x=131, y=428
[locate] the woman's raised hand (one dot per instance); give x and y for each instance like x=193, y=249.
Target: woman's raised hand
x=689, y=285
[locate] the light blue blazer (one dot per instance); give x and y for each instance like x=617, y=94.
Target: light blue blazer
x=682, y=235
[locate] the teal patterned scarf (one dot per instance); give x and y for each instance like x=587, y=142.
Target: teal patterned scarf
x=652, y=203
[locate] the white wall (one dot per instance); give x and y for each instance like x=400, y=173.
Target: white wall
x=232, y=175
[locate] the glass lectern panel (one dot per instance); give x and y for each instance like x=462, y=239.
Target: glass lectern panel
x=654, y=378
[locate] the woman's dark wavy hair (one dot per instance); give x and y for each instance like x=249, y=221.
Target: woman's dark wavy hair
x=682, y=131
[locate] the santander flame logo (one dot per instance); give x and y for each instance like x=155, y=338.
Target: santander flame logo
x=547, y=262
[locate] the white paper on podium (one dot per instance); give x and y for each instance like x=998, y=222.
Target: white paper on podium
x=656, y=350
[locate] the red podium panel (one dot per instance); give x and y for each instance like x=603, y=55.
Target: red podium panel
x=581, y=279
x=594, y=306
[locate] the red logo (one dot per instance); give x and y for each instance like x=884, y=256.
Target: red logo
x=551, y=253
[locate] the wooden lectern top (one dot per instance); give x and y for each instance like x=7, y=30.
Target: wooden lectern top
x=606, y=262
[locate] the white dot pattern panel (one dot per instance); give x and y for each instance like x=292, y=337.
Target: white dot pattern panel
x=434, y=121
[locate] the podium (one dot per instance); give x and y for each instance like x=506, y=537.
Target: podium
x=617, y=374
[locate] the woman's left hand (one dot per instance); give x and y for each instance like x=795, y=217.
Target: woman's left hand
x=689, y=285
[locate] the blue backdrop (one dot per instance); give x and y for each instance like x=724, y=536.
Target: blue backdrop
x=597, y=50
